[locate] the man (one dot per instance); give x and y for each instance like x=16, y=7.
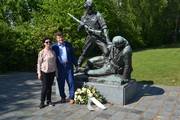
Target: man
x=65, y=60
x=120, y=60
x=96, y=30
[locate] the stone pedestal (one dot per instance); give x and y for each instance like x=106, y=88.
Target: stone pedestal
x=112, y=90
x=119, y=94
x=108, y=86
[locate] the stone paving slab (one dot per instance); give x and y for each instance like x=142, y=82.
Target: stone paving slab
x=20, y=94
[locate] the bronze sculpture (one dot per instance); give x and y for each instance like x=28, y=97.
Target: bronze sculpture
x=119, y=60
x=117, y=55
x=97, y=30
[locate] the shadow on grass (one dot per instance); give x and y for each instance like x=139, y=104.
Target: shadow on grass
x=165, y=46
x=146, y=88
x=146, y=82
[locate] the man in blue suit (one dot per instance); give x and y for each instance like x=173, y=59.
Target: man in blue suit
x=65, y=60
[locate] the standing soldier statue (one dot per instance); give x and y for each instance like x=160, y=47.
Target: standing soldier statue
x=96, y=28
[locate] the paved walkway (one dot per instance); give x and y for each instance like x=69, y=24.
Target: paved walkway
x=20, y=93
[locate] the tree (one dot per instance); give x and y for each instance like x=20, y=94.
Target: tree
x=24, y=23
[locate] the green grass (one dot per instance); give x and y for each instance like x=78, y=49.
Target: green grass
x=162, y=66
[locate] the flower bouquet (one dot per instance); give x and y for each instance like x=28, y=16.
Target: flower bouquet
x=82, y=95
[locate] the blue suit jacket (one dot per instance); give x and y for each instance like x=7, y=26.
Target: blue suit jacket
x=70, y=54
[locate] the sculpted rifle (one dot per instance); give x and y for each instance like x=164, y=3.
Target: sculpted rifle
x=91, y=30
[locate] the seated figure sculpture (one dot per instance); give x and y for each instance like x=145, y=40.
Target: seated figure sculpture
x=119, y=61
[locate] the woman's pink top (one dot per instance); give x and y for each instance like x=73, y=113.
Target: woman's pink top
x=46, y=61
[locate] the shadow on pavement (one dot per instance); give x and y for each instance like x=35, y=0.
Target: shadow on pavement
x=18, y=92
x=146, y=88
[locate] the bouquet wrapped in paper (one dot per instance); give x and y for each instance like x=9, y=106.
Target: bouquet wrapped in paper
x=82, y=95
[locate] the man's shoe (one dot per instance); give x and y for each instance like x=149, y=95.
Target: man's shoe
x=50, y=104
x=71, y=101
x=63, y=100
x=42, y=105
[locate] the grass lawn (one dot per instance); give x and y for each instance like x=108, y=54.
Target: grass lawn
x=162, y=66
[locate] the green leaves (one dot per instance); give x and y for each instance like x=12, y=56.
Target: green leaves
x=23, y=24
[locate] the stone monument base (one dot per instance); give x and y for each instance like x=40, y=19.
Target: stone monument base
x=112, y=90
x=108, y=86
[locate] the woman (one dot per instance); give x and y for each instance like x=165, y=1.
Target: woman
x=46, y=68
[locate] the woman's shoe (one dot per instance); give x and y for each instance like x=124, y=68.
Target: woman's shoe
x=42, y=105
x=63, y=100
x=50, y=104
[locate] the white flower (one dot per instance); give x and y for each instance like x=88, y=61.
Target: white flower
x=90, y=94
x=81, y=100
x=88, y=91
x=81, y=95
x=93, y=91
x=78, y=90
x=76, y=93
x=84, y=89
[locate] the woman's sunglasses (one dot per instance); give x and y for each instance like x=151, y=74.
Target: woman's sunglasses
x=48, y=42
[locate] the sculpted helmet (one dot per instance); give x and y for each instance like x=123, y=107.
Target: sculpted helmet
x=88, y=4
x=118, y=42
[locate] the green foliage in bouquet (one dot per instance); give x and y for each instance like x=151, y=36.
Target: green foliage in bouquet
x=82, y=95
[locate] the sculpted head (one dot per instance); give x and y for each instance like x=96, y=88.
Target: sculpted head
x=118, y=42
x=88, y=5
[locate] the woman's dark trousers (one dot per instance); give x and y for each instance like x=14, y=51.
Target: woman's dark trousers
x=47, y=82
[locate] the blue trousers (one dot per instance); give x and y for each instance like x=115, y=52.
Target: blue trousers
x=65, y=73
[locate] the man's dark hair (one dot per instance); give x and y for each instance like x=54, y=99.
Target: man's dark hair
x=58, y=34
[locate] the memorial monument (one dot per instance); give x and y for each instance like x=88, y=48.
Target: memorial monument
x=111, y=72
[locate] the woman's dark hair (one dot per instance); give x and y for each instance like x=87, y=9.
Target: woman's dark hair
x=46, y=38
